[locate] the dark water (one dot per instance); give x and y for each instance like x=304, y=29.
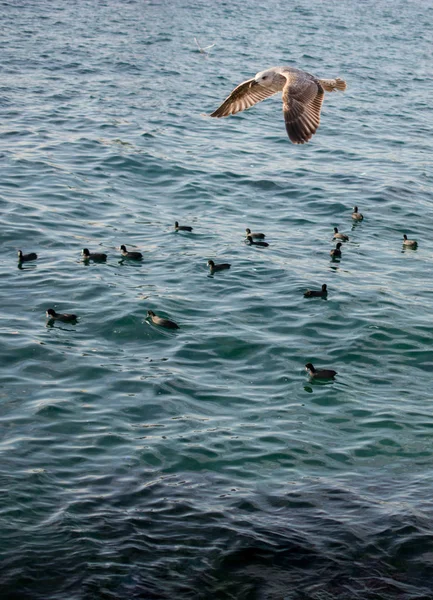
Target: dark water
x=142, y=463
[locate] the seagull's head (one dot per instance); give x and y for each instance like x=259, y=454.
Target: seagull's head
x=265, y=78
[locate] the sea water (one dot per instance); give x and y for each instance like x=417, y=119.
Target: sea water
x=143, y=463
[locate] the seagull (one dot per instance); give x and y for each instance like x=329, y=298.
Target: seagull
x=205, y=49
x=302, y=98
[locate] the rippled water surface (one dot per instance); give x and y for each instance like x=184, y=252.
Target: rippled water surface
x=142, y=463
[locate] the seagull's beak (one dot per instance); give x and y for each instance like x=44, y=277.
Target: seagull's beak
x=253, y=83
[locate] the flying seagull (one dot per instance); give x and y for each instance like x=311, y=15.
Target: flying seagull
x=205, y=49
x=302, y=98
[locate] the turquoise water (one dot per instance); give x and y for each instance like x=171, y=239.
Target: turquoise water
x=202, y=463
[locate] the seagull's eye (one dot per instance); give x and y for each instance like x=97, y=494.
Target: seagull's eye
x=264, y=77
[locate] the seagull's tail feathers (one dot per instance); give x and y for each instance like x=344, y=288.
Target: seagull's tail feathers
x=333, y=85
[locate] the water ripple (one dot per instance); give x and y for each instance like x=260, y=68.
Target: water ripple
x=140, y=462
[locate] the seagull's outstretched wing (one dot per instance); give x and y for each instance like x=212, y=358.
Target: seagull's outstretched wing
x=302, y=101
x=205, y=49
x=244, y=96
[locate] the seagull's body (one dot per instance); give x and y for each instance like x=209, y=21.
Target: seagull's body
x=302, y=98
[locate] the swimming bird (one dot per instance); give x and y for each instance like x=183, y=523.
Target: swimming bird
x=161, y=321
x=317, y=293
x=182, y=227
x=340, y=236
x=257, y=236
x=213, y=267
x=133, y=255
x=302, y=98
x=98, y=256
x=322, y=374
x=357, y=216
x=66, y=318
x=25, y=257
x=411, y=243
x=252, y=242
x=336, y=252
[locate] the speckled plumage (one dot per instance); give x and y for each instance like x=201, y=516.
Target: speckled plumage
x=302, y=98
